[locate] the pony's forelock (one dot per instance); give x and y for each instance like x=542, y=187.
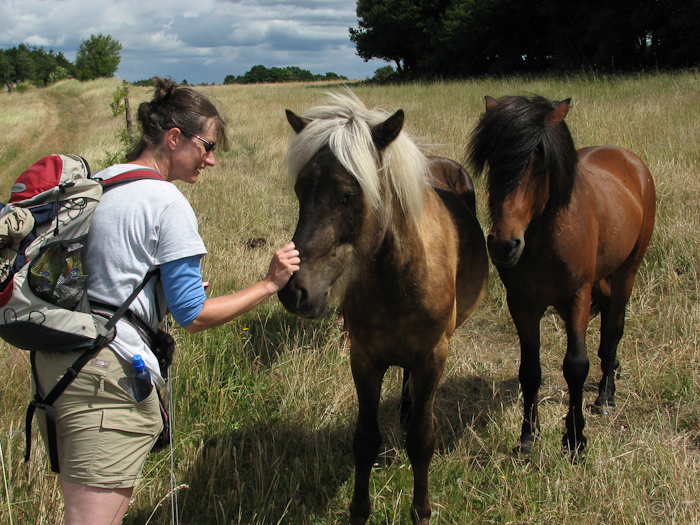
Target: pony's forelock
x=345, y=125
x=506, y=138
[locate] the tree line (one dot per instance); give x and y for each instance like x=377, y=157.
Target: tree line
x=458, y=38
x=98, y=56
x=260, y=74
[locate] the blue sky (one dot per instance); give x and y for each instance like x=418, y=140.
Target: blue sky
x=195, y=40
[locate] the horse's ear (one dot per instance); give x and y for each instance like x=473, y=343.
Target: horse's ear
x=490, y=103
x=298, y=123
x=385, y=133
x=556, y=116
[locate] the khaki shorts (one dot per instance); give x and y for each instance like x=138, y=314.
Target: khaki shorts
x=103, y=434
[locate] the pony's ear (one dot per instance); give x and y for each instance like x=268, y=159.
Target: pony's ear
x=298, y=123
x=490, y=103
x=556, y=116
x=385, y=133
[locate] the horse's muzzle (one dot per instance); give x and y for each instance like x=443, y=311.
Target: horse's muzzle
x=505, y=253
x=297, y=300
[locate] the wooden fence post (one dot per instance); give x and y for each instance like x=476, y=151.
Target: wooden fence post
x=128, y=115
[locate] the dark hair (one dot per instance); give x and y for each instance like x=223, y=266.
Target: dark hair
x=174, y=106
x=509, y=135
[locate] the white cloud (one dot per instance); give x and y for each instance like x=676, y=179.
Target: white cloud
x=200, y=41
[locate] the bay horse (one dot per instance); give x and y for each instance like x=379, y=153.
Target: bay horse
x=569, y=230
x=394, y=234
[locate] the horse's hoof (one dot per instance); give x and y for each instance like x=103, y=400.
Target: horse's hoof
x=359, y=512
x=599, y=410
x=524, y=446
x=574, y=447
x=603, y=402
x=420, y=518
x=358, y=520
x=602, y=410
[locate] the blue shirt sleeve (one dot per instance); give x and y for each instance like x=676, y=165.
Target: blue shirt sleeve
x=184, y=290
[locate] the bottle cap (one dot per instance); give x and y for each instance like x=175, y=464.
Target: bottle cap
x=137, y=363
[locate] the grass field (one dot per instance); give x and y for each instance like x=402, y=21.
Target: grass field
x=265, y=405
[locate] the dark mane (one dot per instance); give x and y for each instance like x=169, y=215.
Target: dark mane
x=510, y=134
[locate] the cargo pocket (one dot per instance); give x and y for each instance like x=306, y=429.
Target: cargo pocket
x=125, y=439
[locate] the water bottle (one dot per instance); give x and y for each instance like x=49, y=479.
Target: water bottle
x=141, y=384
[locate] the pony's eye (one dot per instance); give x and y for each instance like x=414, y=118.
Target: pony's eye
x=347, y=198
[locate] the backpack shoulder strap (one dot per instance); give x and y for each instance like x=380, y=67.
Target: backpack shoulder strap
x=129, y=176
x=47, y=402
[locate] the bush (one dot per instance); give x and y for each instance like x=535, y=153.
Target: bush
x=385, y=74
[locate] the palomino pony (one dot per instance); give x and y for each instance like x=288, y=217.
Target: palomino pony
x=569, y=230
x=394, y=234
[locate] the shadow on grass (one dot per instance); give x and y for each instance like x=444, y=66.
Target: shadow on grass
x=473, y=402
x=280, y=467
x=283, y=472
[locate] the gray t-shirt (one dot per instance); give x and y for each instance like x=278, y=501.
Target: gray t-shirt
x=137, y=227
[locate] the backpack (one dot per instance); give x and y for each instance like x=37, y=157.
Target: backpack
x=44, y=305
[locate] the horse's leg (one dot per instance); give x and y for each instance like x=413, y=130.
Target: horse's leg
x=405, y=405
x=612, y=326
x=367, y=439
x=420, y=437
x=527, y=323
x=575, y=367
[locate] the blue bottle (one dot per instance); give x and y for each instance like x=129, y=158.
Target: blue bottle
x=141, y=384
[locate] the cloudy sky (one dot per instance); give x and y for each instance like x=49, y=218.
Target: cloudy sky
x=195, y=40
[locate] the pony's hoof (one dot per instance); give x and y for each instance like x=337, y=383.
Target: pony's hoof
x=359, y=513
x=420, y=518
x=603, y=402
x=599, y=410
x=357, y=520
x=574, y=447
x=524, y=446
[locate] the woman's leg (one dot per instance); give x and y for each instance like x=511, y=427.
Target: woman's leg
x=103, y=436
x=86, y=505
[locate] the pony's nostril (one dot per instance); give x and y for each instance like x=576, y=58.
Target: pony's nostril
x=504, y=252
x=302, y=297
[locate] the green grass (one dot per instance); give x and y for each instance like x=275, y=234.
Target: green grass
x=265, y=406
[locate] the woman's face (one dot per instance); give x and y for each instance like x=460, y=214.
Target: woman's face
x=190, y=155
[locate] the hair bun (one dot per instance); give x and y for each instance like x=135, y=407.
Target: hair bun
x=164, y=88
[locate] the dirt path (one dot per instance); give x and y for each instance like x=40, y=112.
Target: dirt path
x=63, y=120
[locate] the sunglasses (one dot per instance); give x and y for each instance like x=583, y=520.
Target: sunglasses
x=208, y=146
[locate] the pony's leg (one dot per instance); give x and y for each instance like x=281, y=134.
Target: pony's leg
x=420, y=436
x=612, y=326
x=575, y=368
x=527, y=323
x=405, y=405
x=367, y=439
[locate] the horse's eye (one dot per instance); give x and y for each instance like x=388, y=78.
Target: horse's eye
x=347, y=198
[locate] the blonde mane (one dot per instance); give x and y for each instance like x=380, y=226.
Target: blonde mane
x=344, y=124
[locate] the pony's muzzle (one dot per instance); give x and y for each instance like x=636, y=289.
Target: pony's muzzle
x=296, y=300
x=505, y=252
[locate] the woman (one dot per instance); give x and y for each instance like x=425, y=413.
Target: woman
x=104, y=435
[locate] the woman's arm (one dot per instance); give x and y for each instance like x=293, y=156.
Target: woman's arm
x=219, y=310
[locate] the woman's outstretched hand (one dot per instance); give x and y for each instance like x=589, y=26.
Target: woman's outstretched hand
x=284, y=264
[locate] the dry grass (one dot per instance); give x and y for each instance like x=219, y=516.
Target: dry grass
x=265, y=407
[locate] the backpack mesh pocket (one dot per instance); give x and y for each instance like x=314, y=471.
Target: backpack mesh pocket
x=57, y=275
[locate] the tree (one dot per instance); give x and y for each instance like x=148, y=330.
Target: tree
x=675, y=34
x=260, y=74
x=384, y=74
x=399, y=31
x=7, y=70
x=98, y=57
x=456, y=38
x=24, y=67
